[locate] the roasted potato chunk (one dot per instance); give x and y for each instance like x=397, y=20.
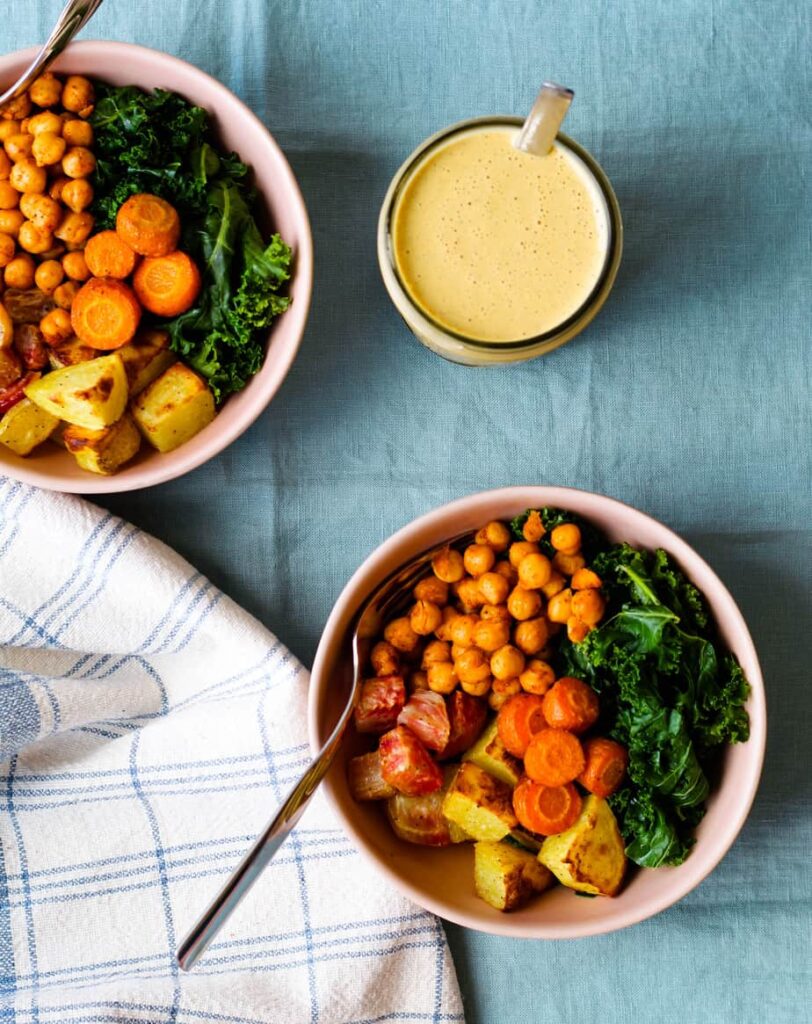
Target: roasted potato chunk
x=70, y=353
x=25, y=426
x=91, y=395
x=489, y=754
x=479, y=804
x=589, y=856
x=145, y=358
x=103, y=451
x=173, y=408
x=507, y=877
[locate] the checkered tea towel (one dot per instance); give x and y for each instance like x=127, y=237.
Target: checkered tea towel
x=148, y=729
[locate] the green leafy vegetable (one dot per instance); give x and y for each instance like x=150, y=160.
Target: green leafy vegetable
x=159, y=143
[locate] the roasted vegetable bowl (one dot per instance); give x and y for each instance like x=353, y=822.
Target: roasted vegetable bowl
x=510, y=738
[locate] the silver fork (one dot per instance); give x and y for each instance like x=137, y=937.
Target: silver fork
x=391, y=597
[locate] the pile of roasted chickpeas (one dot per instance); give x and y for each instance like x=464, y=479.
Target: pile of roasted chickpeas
x=486, y=618
x=45, y=161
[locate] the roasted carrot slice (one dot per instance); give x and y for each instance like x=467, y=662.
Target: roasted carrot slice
x=518, y=720
x=105, y=313
x=554, y=757
x=167, y=285
x=606, y=763
x=571, y=704
x=546, y=810
x=148, y=224
x=108, y=255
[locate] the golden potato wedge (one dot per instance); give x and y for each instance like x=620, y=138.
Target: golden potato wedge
x=173, y=408
x=489, y=754
x=91, y=394
x=103, y=451
x=507, y=877
x=590, y=856
x=480, y=804
x=25, y=426
x=145, y=358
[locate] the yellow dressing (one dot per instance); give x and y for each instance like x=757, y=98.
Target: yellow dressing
x=495, y=244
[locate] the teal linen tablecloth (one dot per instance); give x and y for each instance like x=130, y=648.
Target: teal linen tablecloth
x=688, y=397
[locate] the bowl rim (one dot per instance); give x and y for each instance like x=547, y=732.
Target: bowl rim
x=254, y=404
x=505, y=925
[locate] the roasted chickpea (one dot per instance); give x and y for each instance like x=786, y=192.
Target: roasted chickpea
x=478, y=559
x=425, y=617
x=461, y=629
x=472, y=666
x=56, y=326
x=495, y=534
x=504, y=568
x=9, y=128
x=586, y=579
x=457, y=650
x=48, y=276
x=443, y=631
x=48, y=149
x=432, y=589
x=501, y=692
x=77, y=133
x=507, y=662
x=47, y=121
x=384, y=659
x=46, y=90
x=523, y=604
x=18, y=147
x=589, y=606
x=5, y=165
x=9, y=196
x=75, y=267
x=568, y=564
x=401, y=636
x=436, y=650
x=537, y=677
x=494, y=613
x=490, y=636
x=566, y=538
x=519, y=550
x=494, y=587
x=418, y=681
x=78, y=95
x=34, y=239
x=442, y=677
x=76, y=195
x=75, y=228
x=554, y=585
x=468, y=594
x=78, y=162
x=45, y=212
x=56, y=187
x=534, y=571
x=20, y=272
x=531, y=635
x=533, y=529
x=577, y=630
x=17, y=108
x=7, y=249
x=448, y=566
x=27, y=177
x=559, y=608
x=10, y=221
x=66, y=293
x=477, y=689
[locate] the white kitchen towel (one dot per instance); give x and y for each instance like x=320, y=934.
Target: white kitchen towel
x=148, y=729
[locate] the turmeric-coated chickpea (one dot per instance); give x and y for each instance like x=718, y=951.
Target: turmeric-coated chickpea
x=523, y=604
x=56, y=186
x=76, y=195
x=16, y=108
x=490, y=636
x=457, y=650
x=75, y=228
x=77, y=132
x=478, y=559
x=75, y=266
x=436, y=650
x=401, y=636
x=46, y=90
x=425, y=617
x=533, y=529
x=20, y=272
x=478, y=689
x=56, y=326
x=566, y=538
x=431, y=589
x=568, y=564
x=442, y=677
x=501, y=692
x=468, y=594
x=9, y=128
x=45, y=212
x=554, y=585
x=589, y=606
x=494, y=587
x=577, y=629
x=495, y=534
x=507, y=662
x=443, y=631
x=48, y=276
x=5, y=165
x=65, y=293
x=11, y=221
x=384, y=659
x=19, y=147
x=78, y=162
x=521, y=549
x=531, y=635
x=34, y=239
x=494, y=613
x=511, y=574
x=534, y=571
x=559, y=608
x=7, y=249
x=472, y=666
x=9, y=196
x=48, y=149
x=27, y=177
x=47, y=121
x=78, y=95
x=537, y=677
x=461, y=629
x=25, y=125
x=448, y=566
x=586, y=579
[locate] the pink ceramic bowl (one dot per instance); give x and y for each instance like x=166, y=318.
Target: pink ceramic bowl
x=442, y=880
x=238, y=129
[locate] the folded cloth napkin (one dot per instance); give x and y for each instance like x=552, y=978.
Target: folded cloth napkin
x=148, y=729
